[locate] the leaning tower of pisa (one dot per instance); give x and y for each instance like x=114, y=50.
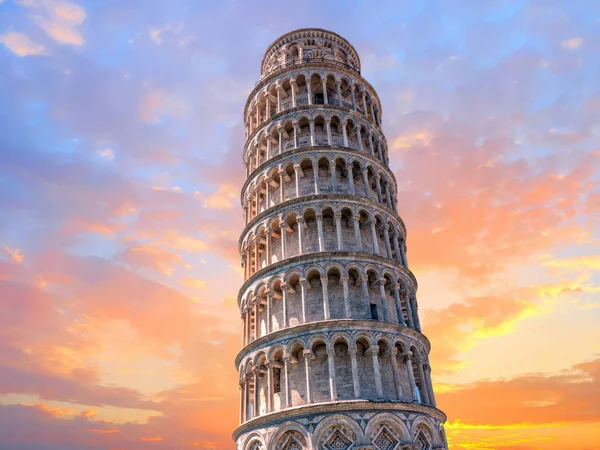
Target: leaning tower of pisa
x=332, y=356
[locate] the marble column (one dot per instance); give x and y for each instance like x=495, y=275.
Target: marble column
x=338, y=230
x=283, y=237
x=397, y=383
x=411, y=376
x=301, y=223
x=355, y=378
x=303, y=283
x=396, y=289
x=320, y=232
x=357, y=237
x=423, y=387
x=269, y=396
x=324, y=289
x=347, y=310
x=374, y=238
x=255, y=409
x=297, y=178
x=288, y=387
x=366, y=181
x=427, y=369
x=386, y=238
x=307, y=363
x=345, y=134
x=284, y=291
x=384, y=302
x=331, y=364
x=350, y=169
x=376, y=370
x=359, y=138
x=365, y=292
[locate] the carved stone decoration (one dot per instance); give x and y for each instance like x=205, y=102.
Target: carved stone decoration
x=338, y=442
x=291, y=444
x=422, y=442
x=386, y=440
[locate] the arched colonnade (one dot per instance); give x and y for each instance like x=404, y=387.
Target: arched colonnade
x=317, y=173
x=341, y=366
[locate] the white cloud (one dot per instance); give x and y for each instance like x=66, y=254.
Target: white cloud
x=59, y=19
x=21, y=45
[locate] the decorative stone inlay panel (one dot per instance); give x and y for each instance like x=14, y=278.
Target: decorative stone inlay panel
x=338, y=442
x=385, y=440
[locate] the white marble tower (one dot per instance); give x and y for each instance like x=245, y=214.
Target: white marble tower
x=332, y=356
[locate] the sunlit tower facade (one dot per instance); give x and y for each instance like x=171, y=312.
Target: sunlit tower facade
x=332, y=356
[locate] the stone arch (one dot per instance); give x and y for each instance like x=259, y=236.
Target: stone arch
x=423, y=425
x=254, y=441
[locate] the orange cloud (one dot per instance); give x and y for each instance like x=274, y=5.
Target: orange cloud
x=145, y=255
x=535, y=410
x=16, y=255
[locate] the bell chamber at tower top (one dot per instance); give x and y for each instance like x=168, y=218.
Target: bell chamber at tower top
x=310, y=45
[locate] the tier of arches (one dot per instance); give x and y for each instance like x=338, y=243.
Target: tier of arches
x=330, y=368
x=301, y=45
x=313, y=128
x=313, y=174
x=311, y=87
x=321, y=227
x=339, y=431
x=314, y=293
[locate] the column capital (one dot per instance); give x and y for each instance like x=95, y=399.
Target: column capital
x=307, y=355
x=300, y=219
x=324, y=278
x=396, y=287
x=282, y=224
x=337, y=215
x=345, y=277
x=364, y=277
x=407, y=356
x=330, y=352
x=287, y=358
x=394, y=351
x=296, y=167
x=303, y=281
x=268, y=232
x=352, y=350
x=356, y=218
x=319, y=216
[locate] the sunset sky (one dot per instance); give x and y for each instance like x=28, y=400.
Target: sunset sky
x=120, y=170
